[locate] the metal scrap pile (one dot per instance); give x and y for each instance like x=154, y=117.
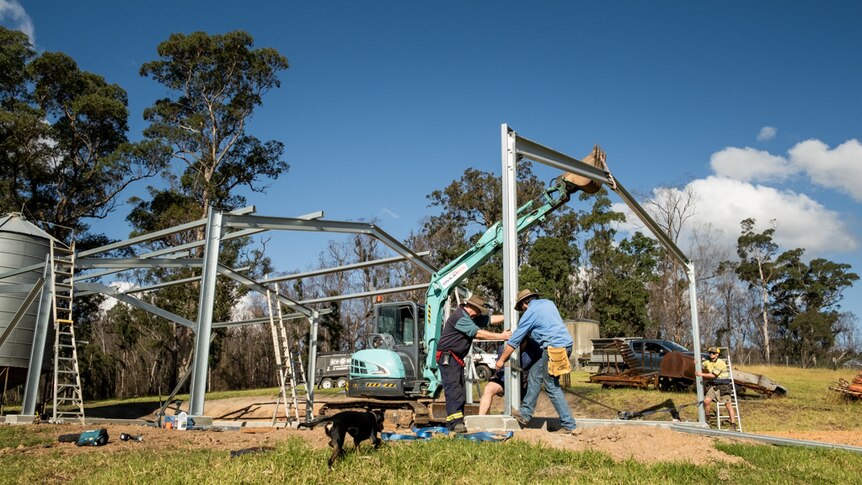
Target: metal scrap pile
x=851, y=390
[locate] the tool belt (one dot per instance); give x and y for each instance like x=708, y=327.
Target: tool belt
x=447, y=353
x=723, y=386
x=558, y=361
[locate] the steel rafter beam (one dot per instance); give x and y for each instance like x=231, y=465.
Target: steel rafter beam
x=113, y=292
x=293, y=224
x=182, y=250
x=364, y=294
x=157, y=234
x=128, y=263
x=337, y=269
x=255, y=321
x=28, y=300
x=245, y=280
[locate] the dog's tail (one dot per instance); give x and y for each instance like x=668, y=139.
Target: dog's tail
x=312, y=424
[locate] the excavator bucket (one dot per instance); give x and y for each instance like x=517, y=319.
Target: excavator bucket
x=597, y=159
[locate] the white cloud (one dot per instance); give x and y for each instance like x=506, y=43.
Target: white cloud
x=840, y=168
x=767, y=133
x=748, y=164
x=13, y=16
x=121, y=286
x=723, y=203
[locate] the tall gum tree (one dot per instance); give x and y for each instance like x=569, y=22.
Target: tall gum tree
x=217, y=81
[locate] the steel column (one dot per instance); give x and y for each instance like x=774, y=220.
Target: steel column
x=510, y=259
x=40, y=336
x=311, y=368
x=205, y=312
x=695, y=337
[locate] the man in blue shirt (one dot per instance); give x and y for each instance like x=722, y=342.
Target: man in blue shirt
x=456, y=338
x=541, y=321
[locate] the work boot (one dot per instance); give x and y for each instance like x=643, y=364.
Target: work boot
x=459, y=428
x=520, y=419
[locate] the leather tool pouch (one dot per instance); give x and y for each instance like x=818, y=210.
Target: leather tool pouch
x=558, y=361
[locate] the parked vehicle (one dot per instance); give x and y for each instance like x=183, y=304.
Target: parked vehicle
x=485, y=363
x=332, y=370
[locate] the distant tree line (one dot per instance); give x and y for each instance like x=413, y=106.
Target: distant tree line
x=66, y=157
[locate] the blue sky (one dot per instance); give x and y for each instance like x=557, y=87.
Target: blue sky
x=756, y=106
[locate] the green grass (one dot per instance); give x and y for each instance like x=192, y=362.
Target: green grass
x=809, y=406
x=15, y=436
x=436, y=461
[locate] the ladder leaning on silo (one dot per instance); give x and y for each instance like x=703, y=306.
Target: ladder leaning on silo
x=284, y=360
x=68, y=398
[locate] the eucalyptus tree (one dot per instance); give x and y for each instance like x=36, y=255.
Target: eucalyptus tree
x=64, y=145
x=214, y=83
x=806, y=302
x=757, y=267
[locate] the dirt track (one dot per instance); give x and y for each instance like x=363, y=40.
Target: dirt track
x=642, y=443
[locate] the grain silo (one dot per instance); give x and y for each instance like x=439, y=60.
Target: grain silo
x=22, y=244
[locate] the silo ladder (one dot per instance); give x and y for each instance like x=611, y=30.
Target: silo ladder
x=68, y=398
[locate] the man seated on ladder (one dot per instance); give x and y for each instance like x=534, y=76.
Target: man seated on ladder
x=720, y=386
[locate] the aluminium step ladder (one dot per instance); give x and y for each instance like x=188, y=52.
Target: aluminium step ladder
x=68, y=398
x=284, y=361
x=734, y=397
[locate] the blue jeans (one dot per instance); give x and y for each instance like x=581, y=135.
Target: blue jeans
x=537, y=375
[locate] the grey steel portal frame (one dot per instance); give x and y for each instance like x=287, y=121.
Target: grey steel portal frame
x=219, y=226
x=516, y=147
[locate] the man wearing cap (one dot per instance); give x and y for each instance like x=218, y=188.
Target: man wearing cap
x=716, y=369
x=456, y=339
x=541, y=321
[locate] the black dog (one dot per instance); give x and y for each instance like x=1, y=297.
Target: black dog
x=361, y=425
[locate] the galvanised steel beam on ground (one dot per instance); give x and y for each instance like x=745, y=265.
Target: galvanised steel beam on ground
x=131, y=300
x=292, y=224
x=773, y=440
x=40, y=336
x=205, y=312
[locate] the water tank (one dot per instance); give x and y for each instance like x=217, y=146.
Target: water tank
x=582, y=331
x=21, y=244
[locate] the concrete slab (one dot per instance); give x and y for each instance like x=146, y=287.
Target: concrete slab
x=20, y=418
x=491, y=422
x=202, y=420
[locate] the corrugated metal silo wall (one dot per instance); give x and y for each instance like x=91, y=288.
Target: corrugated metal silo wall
x=17, y=251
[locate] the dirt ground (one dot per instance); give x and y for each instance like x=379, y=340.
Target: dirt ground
x=642, y=443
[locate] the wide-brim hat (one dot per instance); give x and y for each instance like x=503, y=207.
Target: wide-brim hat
x=477, y=302
x=522, y=295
